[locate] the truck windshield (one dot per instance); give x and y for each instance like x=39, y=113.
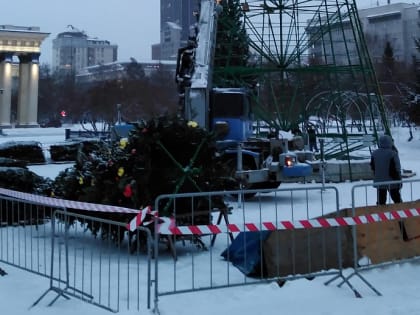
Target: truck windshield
x=229, y=105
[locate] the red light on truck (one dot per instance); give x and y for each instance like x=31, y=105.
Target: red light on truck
x=288, y=161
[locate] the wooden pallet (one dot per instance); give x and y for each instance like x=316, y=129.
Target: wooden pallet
x=389, y=240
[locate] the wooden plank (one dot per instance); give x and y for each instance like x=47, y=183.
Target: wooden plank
x=387, y=241
x=290, y=252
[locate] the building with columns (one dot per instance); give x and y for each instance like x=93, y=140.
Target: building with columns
x=23, y=43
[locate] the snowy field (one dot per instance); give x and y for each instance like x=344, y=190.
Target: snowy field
x=399, y=284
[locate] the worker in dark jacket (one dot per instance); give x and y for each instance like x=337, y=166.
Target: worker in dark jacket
x=312, y=139
x=386, y=167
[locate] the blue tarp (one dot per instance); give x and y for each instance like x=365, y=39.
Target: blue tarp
x=245, y=252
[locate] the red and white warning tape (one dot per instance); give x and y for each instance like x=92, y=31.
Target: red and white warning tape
x=289, y=225
x=168, y=226
x=62, y=203
x=139, y=218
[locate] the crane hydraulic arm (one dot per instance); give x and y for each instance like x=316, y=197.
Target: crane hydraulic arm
x=195, y=65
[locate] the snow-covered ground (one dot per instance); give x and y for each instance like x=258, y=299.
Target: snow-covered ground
x=398, y=283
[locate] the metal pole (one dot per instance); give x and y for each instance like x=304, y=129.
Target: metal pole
x=323, y=164
x=119, y=114
x=239, y=167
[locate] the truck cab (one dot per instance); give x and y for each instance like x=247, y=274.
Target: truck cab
x=230, y=113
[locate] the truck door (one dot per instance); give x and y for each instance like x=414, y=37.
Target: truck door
x=230, y=114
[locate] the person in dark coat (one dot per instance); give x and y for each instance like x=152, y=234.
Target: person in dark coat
x=312, y=139
x=386, y=166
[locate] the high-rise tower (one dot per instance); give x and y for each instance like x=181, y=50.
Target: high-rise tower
x=176, y=19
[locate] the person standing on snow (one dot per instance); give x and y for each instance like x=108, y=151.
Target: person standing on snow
x=312, y=139
x=386, y=166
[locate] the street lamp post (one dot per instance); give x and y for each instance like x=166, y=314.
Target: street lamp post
x=119, y=114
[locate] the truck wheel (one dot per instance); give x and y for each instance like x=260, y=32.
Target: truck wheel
x=267, y=185
x=232, y=182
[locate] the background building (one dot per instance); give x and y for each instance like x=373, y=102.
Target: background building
x=397, y=24
x=20, y=43
x=74, y=50
x=176, y=20
x=170, y=41
x=118, y=70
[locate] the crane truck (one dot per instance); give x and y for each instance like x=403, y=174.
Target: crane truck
x=254, y=162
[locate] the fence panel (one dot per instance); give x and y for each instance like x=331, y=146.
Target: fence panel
x=388, y=234
x=85, y=257
x=102, y=269
x=215, y=240
x=25, y=235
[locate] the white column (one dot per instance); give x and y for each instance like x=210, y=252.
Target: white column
x=33, y=91
x=22, y=107
x=27, y=111
x=5, y=89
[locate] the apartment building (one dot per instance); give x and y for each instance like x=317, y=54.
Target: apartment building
x=118, y=70
x=73, y=50
x=396, y=23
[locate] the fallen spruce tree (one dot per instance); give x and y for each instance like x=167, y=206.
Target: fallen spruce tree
x=15, y=175
x=160, y=156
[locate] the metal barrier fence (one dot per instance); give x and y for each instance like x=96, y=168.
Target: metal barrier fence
x=85, y=257
x=25, y=235
x=393, y=244
x=101, y=270
x=214, y=240
x=271, y=228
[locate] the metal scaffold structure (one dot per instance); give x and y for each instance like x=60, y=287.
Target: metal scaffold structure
x=310, y=65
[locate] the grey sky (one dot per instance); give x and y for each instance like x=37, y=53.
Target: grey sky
x=131, y=24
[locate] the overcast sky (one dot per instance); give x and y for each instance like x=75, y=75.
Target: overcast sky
x=131, y=24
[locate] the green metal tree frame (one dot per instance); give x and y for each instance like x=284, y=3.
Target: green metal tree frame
x=310, y=59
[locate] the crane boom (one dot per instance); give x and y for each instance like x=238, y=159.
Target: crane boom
x=198, y=94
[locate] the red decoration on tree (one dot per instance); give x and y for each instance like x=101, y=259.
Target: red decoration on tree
x=128, y=192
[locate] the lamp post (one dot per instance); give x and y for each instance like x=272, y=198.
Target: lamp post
x=119, y=114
